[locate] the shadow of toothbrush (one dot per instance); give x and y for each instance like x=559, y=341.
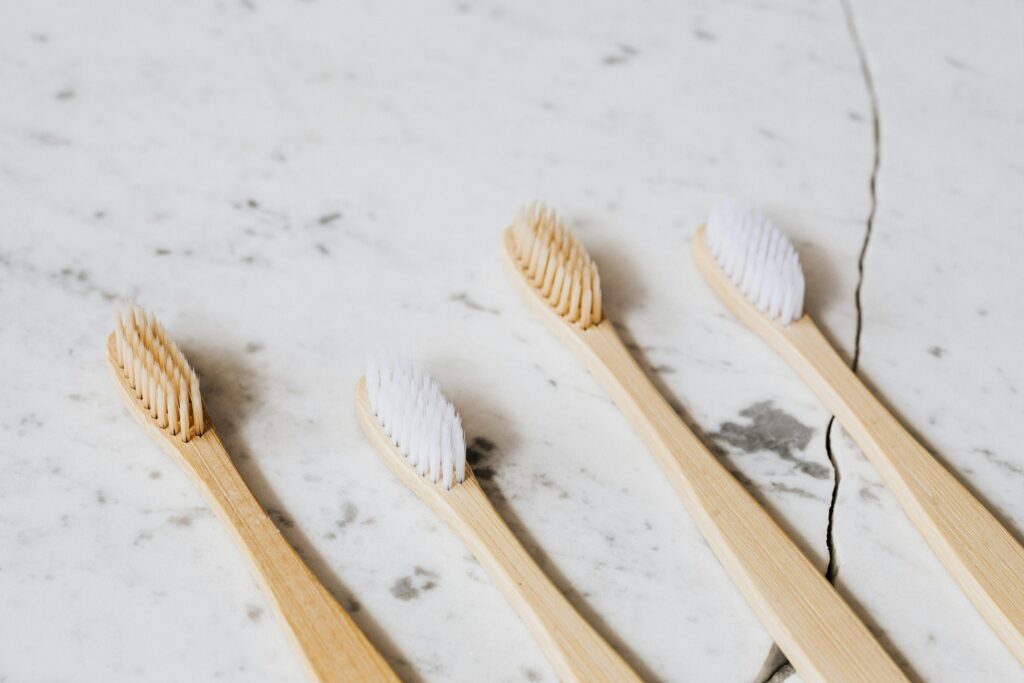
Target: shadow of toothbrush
x=801, y=543
x=489, y=441
x=618, y=275
x=1008, y=523
x=575, y=598
x=230, y=387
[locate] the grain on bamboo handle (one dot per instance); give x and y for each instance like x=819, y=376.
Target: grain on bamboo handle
x=978, y=551
x=332, y=645
x=817, y=630
x=577, y=652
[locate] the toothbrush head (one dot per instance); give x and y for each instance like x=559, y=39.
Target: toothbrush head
x=758, y=259
x=152, y=366
x=555, y=265
x=421, y=423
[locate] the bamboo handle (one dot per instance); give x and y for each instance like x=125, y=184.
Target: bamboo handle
x=976, y=549
x=811, y=623
x=333, y=647
x=574, y=648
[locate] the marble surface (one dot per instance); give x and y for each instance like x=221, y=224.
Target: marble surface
x=292, y=185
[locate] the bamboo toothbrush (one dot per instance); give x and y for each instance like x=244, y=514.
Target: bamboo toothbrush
x=162, y=391
x=419, y=435
x=753, y=267
x=811, y=623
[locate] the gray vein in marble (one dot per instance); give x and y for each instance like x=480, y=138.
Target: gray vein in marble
x=768, y=429
x=349, y=515
x=466, y=300
x=410, y=587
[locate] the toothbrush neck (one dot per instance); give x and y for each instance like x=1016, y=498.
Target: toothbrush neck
x=843, y=392
x=653, y=417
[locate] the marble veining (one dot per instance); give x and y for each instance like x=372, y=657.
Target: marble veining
x=292, y=185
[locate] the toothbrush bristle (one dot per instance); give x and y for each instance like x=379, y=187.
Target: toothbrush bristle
x=557, y=265
x=418, y=419
x=165, y=384
x=758, y=259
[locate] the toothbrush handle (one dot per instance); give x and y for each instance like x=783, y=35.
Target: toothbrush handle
x=811, y=623
x=975, y=548
x=574, y=648
x=333, y=647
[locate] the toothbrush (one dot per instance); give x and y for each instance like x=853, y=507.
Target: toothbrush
x=811, y=623
x=755, y=270
x=417, y=432
x=161, y=390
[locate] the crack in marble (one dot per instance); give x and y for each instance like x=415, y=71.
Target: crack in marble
x=833, y=559
x=869, y=224
x=785, y=668
x=876, y=134
x=777, y=665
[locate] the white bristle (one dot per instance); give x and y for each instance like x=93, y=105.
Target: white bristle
x=415, y=415
x=166, y=386
x=758, y=259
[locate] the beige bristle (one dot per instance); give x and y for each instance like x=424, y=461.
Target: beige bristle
x=119, y=337
x=142, y=379
x=165, y=384
x=172, y=411
x=161, y=335
x=151, y=402
x=197, y=403
x=555, y=263
x=136, y=375
x=161, y=406
x=183, y=404
x=122, y=355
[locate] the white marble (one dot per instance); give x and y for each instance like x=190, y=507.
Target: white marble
x=943, y=316
x=291, y=185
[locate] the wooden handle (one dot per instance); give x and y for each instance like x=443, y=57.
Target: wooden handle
x=332, y=645
x=811, y=623
x=976, y=549
x=574, y=648
x=819, y=632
